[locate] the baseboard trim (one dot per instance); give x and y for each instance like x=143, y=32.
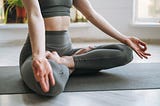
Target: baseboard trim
x=80, y=40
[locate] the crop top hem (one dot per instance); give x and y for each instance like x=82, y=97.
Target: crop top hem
x=55, y=14
x=51, y=8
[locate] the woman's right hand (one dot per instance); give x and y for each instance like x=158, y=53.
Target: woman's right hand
x=138, y=46
x=43, y=73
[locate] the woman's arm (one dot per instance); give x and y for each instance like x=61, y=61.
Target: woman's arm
x=41, y=67
x=87, y=10
x=36, y=28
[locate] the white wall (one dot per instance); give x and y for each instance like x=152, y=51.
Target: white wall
x=117, y=12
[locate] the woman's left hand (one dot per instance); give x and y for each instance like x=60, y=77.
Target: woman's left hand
x=138, y=46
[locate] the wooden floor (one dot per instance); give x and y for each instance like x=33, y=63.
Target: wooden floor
x=105, y=98
x=9, y=54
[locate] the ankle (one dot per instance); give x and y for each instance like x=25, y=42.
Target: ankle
x=68, y=61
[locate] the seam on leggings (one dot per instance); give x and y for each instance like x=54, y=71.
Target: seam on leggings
x=77, y=60
x=95, y=58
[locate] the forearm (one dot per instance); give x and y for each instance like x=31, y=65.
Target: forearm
x=36, y=28
x=37, y=35
x=107, y=28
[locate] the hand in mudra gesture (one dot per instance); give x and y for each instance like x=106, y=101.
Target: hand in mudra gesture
x=138, y=46
x=43, y=73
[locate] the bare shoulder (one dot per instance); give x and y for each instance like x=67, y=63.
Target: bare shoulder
x=78, y=2
x=84, y=6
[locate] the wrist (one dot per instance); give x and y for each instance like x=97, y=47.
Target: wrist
x=125, y=39
x=38, y=56
x=128, y=40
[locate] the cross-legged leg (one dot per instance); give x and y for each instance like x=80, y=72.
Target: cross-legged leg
x=91, y=60
x=60, y=73
x=102, y=57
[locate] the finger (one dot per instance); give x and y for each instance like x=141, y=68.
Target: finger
x=35, y=66
x=144, y=55
x=139, y=54
x=40, y=71
x=36, y=70
x=47, y=54
x=50, y=75
x=47, y=81
x=148, y=54
x=54, y=52
x=51, y=79
x=144, y=45
x=83, y=50
x=43, y=85
x=35, y=76
x=80, y=51
x=91, y=47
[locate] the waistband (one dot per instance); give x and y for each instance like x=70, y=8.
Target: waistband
x=56, y=32
x=56, y=38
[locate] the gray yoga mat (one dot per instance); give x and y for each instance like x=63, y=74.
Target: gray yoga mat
x=133, y=76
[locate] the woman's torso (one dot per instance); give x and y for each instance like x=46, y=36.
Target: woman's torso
x=56, y=14
x=57, y=23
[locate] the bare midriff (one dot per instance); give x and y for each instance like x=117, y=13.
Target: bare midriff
x=58, y=23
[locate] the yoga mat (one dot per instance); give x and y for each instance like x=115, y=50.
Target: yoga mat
x=133, y=76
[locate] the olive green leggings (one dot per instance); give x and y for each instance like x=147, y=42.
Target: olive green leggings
x=100, y=57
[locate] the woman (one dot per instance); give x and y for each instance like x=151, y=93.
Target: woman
x=47, y=58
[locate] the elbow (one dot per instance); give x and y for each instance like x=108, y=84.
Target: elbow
x=35, y=21
x=37, y=16
x=34, y=14
x=90, y=16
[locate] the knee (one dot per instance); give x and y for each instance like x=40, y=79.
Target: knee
x=28, y=78
x=127, y=54
x=61, y=76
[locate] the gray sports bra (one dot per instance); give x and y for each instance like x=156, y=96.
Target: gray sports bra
x=50, y=8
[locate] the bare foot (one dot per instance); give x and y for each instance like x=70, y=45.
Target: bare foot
x=84, y=50
x=65, y=60
x=54, y=56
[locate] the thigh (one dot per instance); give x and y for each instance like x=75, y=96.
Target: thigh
x=102, y=57
x=109, y=46
x=60, y=73
x=121, y=47
x=71, y=51
x=107, y=51
x=25, y=52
